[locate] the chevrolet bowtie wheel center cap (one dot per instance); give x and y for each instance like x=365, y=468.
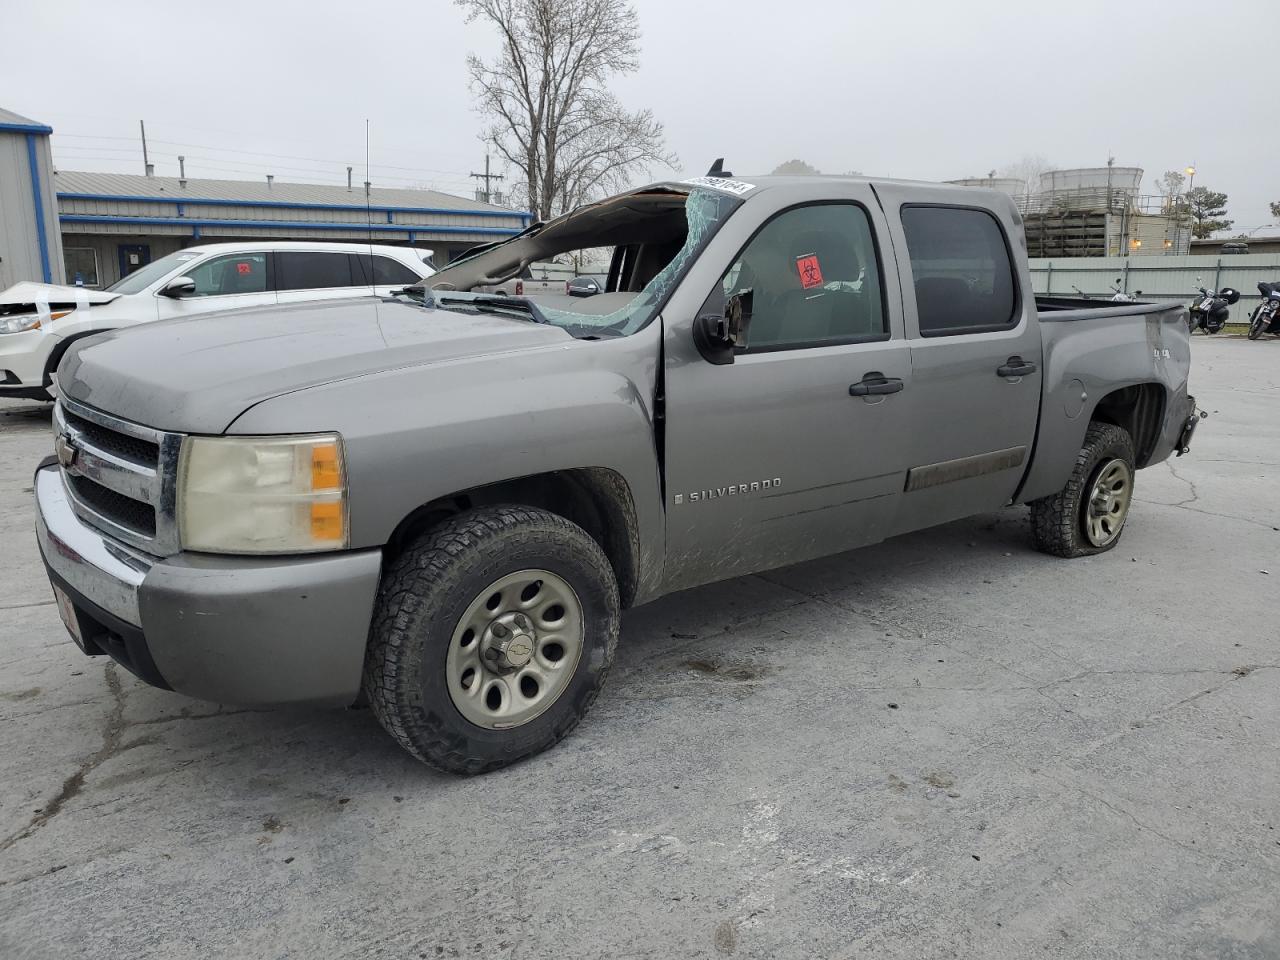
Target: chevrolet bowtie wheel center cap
x=509, y=643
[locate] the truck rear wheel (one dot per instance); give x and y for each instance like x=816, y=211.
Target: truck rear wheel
x=492, y=635
x=1088, y=515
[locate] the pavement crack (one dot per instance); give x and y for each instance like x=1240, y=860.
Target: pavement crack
x=112, y=728
x=1185, y=505
x=23, y=606
x=178, y=718
x=1143, y=825
x=1195, y=495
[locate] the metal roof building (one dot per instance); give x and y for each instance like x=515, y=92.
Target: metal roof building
x=112, y=223
x=29, y=247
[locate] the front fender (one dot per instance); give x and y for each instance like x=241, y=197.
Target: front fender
x=418, y=434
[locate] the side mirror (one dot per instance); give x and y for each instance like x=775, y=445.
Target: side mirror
x=716, y=337
x=178, y=287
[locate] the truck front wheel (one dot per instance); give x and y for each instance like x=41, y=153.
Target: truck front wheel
x=492, y=635
x=1087, y=516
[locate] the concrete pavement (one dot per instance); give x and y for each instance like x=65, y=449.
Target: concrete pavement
x=944, y=746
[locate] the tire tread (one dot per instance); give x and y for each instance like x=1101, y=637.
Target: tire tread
x=427, y=569
x=1055, y=526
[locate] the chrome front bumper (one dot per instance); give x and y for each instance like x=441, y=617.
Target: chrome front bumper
x=99, y=569
x=239, y=630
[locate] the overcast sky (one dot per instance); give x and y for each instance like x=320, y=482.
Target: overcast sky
x=927, y=90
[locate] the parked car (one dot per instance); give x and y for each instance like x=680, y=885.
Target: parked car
x=586, y=285
x=532, y=281
x=39, y=321
x=446, y=499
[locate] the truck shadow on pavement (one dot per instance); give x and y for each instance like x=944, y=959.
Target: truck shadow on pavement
x=717, y=640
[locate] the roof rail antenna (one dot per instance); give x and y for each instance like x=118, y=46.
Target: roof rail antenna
x=718, y=170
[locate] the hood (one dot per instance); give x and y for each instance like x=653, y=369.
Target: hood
x=197, y=375
x=28, y=294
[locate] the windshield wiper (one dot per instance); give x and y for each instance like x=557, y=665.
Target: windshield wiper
x=485, y=303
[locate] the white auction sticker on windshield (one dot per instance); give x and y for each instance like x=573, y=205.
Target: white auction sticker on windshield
x=722, y=183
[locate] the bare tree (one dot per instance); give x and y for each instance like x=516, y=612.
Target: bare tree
x=1275, y=209
x=1029, y=169
x=551, y=115
x=1171, y=189
x=795, y=168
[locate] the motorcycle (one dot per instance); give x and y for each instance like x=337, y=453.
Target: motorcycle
x=1266, y=316
x=1119, y=296
x=1211, y=309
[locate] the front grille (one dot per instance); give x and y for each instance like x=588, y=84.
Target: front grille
x=119, y=475
x=116, y=507
x=139, y=451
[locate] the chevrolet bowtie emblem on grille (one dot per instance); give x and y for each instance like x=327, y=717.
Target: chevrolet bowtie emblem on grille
x=65, y=450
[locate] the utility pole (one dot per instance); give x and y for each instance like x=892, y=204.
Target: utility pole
x=487, y=192
x=147, y=168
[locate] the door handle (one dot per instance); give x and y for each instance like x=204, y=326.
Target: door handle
x=875, y=383
x=1015, y=367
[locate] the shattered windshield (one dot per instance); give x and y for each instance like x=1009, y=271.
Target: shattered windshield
x=638, y=246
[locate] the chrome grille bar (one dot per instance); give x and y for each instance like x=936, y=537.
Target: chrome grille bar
x=125, y=460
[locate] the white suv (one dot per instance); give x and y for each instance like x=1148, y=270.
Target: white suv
x=38, y=321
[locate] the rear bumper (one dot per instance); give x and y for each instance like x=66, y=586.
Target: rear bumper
x=1189, y=424
x=227, y=629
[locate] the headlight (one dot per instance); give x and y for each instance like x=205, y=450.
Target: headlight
x=262, y=494
x=26, y=321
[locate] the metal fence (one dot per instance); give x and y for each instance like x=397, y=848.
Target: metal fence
x=1158, y=278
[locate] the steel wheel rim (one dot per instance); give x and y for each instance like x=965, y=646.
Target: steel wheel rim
x=494, y=682
x=1108, y=503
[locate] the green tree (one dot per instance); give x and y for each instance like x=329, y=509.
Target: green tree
x=1208, y=212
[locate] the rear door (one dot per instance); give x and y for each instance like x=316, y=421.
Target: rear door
x=304, y=275
x=380, y=273
x=771, y=459
x=975, y=353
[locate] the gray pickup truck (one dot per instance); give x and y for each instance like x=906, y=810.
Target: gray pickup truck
x=442, y=500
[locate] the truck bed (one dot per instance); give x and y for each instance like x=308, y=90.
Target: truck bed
x=1060, y=309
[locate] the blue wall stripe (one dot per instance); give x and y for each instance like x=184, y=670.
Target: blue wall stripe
x=285, y=205
x=282, y=224
x=33, y=161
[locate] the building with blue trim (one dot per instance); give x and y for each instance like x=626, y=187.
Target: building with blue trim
x=30, y=245
x=113, y=223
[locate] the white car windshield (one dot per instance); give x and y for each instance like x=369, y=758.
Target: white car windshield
x=143, y=277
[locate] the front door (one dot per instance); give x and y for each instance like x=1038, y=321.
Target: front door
x=774, y=459
x=133, y=256
x=226, y=282
x=975, y=358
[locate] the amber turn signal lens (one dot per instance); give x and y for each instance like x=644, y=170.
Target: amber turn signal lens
x=326, y=521
x=325, y=473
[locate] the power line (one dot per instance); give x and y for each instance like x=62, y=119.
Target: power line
x=256, y=153
x=487, y=177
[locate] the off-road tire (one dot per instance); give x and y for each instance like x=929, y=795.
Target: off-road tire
x=1058, y=521
x=426, y=589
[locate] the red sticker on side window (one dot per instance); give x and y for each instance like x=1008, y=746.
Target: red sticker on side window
x=810, y=271
x=244, y=268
